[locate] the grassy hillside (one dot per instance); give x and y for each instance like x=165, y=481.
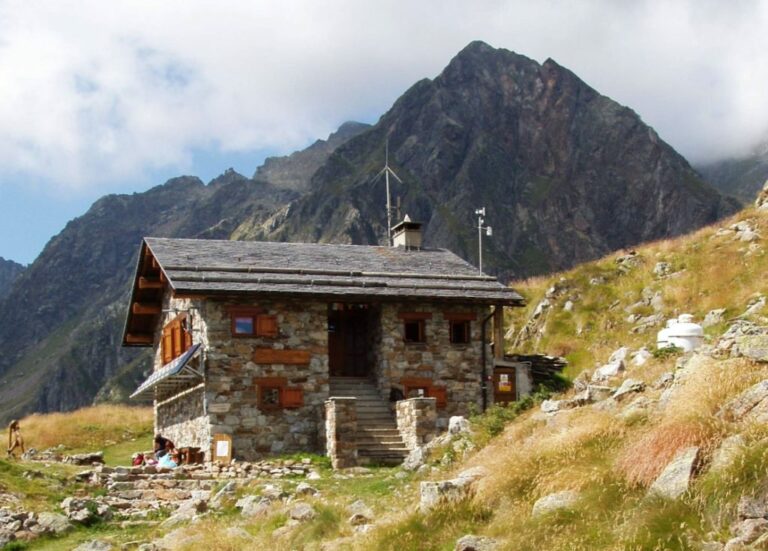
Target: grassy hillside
x=608, y=453
x=707, y=270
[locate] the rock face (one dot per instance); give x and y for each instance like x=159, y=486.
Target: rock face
x=564, y=172
x=295, y=170
x=9, y=272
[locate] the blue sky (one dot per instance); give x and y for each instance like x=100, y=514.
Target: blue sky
x=115, y=97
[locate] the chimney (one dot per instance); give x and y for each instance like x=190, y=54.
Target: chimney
x=407, y=234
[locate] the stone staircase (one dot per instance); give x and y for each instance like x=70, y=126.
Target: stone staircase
x=378, y=440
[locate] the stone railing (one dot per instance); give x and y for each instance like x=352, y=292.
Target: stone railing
x=417, y=421
x=341, y=431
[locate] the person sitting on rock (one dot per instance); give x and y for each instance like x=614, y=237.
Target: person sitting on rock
x=15, y=439
x=171, y=458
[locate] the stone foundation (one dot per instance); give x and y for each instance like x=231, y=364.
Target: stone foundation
x=341, y=432
x=417, y=421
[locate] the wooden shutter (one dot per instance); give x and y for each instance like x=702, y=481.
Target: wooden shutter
x=177, y=337
x=167, y=345
x=292, y=397
x=266, y=326
x=440, y=394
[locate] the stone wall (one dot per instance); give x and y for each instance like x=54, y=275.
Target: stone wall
x=417, y=421
x=457, y=367
x=232, y=375
x=341, y=432
x=182, y=420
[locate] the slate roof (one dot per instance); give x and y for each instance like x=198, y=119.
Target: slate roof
x=205, y=267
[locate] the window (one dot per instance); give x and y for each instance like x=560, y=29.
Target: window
x=274, y=393
x=459, y=331
x=176, y=338
x=414, y=326
x=243, y=325
x=459, y=328
x=251, y=322
x=413, y=331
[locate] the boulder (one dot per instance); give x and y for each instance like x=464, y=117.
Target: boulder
x=608, y=371
x=458, y=424
x=747, y=531
x=53, y=523
x=302, y=512
x=359, y=508
x=237, y=532
x=727, y=451
x=85, y=458
x=754, y=347
x=253, y=506
x=94, y=545
x=662, y=269
x=713, y=317
x=676, y=477
x=434, y=493
x=188, y=510
x=752, y=404
x=475, y=543
x=555, y=502
x=641, y=357
x=629, y=386
x=304, y=489
x=416, y=458
x=752, y=507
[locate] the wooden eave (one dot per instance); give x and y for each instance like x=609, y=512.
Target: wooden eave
x=145, y=306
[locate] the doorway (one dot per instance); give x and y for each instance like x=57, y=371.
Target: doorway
x=350, y=339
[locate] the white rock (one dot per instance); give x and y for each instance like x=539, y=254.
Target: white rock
x=568, y=306
x=608, y=371
x=458, y=424
x=475, y=543
x=619, y=355
x=629, y=386
x=94, y=545
x=554, y=502
x=713, y=317
x=642, y=356
x=305, y=489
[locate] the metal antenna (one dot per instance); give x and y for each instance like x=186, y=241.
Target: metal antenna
x=481, y=228
x=387, y=171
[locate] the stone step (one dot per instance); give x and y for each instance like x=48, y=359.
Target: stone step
x=150, y=484
x=160, y=495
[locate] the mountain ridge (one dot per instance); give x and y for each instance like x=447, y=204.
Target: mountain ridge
x=564, y=172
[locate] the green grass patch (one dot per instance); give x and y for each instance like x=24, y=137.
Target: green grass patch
x=120, y=454
x=437, y=530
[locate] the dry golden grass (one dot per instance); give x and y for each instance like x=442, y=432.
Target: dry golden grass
x=89, y=428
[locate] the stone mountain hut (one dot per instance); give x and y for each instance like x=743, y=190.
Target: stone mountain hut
x=284, y=347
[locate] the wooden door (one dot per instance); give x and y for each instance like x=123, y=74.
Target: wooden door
x=348, y=340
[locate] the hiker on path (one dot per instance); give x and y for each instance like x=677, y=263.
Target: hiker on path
x=15, y=439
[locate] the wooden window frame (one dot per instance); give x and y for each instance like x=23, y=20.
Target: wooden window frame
x=452, y=324
x=264, y=325
x=288, y=397
x=421, y=336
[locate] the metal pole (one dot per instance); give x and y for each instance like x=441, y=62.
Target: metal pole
x=480, y=243
x=389, y=205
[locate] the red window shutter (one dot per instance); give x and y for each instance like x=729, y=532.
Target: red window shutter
x=292, y=397
x=440, y=394
x=266, y=326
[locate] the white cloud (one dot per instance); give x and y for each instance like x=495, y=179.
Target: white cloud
x=93, y=92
